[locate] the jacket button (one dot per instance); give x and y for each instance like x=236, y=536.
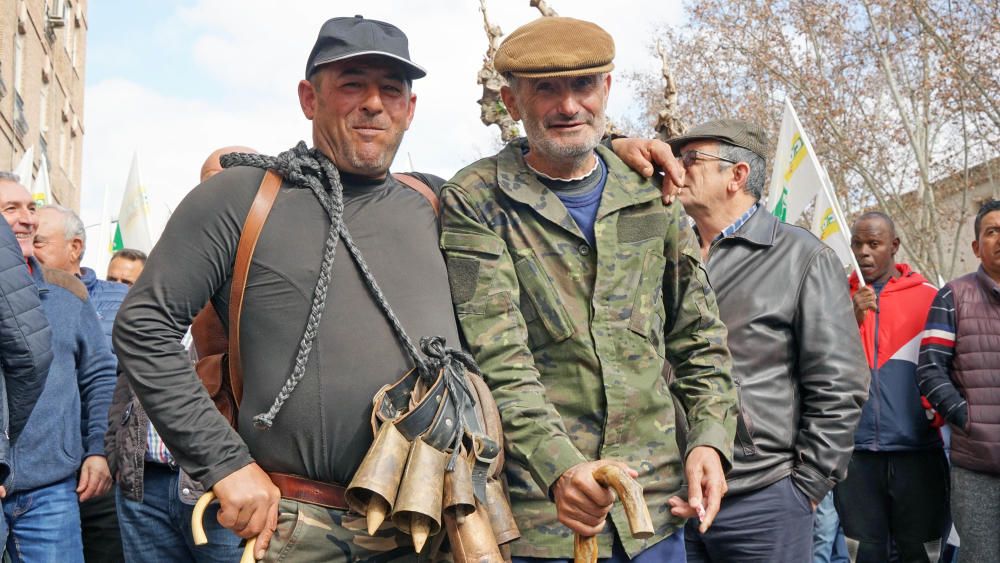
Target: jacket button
x=186, y=491
x=127, y=414
x=584, y=250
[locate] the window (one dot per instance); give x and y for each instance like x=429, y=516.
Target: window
x=43, y=109
x=68, y=35
x=18, y=62
x=43, y=145
x=72, y=158
x=62, y=146
x=20, y=123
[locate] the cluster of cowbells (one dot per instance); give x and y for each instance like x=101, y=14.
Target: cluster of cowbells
x=413, y=475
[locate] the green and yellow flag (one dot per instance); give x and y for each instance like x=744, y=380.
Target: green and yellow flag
x=798, y=180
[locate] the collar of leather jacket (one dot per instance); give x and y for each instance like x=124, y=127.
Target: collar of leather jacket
x=759, y=229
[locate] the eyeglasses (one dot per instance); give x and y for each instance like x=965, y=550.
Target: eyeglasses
x=688, y=158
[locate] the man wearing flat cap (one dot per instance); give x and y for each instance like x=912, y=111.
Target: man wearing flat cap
x=315, y=345
x=798, y=364
x=572, y=284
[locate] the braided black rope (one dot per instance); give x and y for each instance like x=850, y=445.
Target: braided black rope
x=311, y=169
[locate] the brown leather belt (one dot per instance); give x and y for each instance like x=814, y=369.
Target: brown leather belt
x=293, y=487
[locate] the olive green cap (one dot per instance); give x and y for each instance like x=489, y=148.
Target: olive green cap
x=555, y=46
x=736, y=132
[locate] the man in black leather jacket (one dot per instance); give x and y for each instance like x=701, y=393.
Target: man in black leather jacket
x=798, y=363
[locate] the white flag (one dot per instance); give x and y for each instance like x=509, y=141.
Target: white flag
x=797, y=180
x=41, y=191
x=25, y=168
x=796, y=177
x=133, y=216
x=829, y=226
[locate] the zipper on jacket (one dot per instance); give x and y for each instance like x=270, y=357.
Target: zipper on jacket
x=875, y=373
x=744, y=435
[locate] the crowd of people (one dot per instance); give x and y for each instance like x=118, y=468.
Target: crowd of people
x=768, y=404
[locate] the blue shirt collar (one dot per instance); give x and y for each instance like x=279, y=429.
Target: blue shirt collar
x=735, y=226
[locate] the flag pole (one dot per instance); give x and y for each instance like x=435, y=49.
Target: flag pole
x=104, y=231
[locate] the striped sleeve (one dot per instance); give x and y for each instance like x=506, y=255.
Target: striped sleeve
x=937, y=346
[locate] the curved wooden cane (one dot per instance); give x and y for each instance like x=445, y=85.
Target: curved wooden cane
x=198, y=529
x=630, y=493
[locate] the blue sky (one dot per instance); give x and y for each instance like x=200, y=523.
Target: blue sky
x=172, y=81
x=136, y=39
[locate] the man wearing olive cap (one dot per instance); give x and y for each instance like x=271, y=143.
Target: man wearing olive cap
x=357, y=93
x=572, y=282
x=797, y=358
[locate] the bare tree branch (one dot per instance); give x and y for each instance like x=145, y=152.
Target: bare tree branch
x=544, y=8
x=901, y=98
x=668, y=122
x=492, y=110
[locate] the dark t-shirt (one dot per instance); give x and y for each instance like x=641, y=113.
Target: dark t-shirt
x=323, y=430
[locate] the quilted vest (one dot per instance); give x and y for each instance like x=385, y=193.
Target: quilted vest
x=976, y=371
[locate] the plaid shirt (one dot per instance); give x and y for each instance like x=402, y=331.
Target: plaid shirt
x=728, y=231
x=156, y=450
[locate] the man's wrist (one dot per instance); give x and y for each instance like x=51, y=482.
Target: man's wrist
x=959, y=416
x=715, y=435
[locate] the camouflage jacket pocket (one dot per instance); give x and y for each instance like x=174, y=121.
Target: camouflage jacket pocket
x=542, y=309
x=647, y=318
x=472, y=261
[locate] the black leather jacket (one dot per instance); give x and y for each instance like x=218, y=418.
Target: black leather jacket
x=798, y=364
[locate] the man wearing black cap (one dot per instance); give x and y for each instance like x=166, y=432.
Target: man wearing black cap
x=797, y=359
x=311, y=333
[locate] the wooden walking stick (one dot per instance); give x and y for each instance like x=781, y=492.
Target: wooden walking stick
x=198, y=529
x=630, y=493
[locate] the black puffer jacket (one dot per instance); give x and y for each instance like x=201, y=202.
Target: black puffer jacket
x=798, y=363
x=25, y=344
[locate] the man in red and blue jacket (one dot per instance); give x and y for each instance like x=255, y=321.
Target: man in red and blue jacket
x=896, y=487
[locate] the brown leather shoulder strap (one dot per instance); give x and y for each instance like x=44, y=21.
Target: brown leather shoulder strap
x=252, y=227
x=421, y=188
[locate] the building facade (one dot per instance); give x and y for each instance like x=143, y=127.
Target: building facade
x=959, y=198
x=42, y=54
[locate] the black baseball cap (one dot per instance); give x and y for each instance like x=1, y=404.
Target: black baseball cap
x=345, y=38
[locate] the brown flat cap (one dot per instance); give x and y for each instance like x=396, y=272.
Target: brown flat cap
x=555, y=46
x=736, y=132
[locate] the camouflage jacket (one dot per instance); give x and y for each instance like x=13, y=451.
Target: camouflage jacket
x=572, y=339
